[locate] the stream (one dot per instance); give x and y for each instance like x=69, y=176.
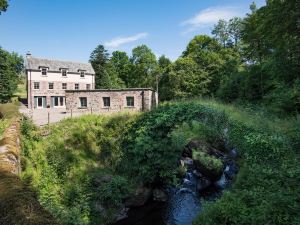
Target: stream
x=184, y=203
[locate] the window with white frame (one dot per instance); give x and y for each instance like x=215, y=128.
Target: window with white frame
x=58, y=101
x=130, y=101
x=83, y=102
x=36, y=85
x=44, y=71
x=76, y=86
x=82, y=74
x=64, y=86
x=51, y=85
x=63, y=72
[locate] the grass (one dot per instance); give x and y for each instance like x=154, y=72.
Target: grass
x=3, y=125
x=21, y=89
x=9, y=110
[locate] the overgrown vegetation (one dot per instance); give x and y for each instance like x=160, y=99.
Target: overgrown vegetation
x=64, y=162
x=86, y=167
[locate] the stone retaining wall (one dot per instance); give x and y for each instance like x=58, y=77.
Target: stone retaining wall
x=10, y=149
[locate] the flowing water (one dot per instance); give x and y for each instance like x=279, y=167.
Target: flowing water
x=184, y=203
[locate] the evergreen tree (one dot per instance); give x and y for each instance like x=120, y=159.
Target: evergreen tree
x=99, y=59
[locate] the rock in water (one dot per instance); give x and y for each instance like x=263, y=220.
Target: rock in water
x=202, y=184
x=139, y=197
x=160, y=195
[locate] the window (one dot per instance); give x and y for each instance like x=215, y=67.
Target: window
x=44, y=71
x=76, y=86
x=64, y=86
x=81, y=74
x=88, y=86
x=57, y=101
x=36, y=85
x=130, y=101
x=106, y=101
x=51, y=85
x=83, y=102
x=64, y=72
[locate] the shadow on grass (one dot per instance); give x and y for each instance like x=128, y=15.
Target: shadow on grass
x=18, y=203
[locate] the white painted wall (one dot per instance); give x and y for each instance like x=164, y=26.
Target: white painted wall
x=74, y=78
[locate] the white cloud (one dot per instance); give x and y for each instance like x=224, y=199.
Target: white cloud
x=116, y=42
x=210, y=16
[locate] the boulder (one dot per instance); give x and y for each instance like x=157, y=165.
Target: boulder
x=210, y=173
x=202, y=184
x=231, y=170
x=187, y=152
x=233, y=153
x=121, y=214
x=140, y=196
x=159, y=195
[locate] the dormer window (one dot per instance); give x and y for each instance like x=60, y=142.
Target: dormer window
x=82, y=74
x=63, y=72
x=44, y=71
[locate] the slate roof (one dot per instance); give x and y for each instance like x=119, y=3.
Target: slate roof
x=55, y=65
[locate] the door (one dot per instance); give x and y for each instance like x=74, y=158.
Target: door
x=40, y=102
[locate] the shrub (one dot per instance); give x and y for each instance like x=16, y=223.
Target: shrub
x=210, y=162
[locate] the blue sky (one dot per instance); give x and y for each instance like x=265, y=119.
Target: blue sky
x=71, y=29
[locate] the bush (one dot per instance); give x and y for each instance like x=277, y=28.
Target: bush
x=211, y=163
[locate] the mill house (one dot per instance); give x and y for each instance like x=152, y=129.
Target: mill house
x=66, y=85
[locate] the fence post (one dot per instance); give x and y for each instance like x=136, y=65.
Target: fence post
x=48, y=118
x=91, y=110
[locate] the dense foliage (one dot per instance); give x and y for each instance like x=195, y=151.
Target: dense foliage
x=67, y=166
x=253, y=59
x=83, y=169
x=11, y=65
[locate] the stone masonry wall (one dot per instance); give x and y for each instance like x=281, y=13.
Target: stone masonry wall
x=142, y=100
x=45, y=91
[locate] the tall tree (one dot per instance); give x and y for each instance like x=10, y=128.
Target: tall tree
x=121, y=62
x=221, y=32
x=235, y=26
x=187, y=79
x=3, y=5
x=11, y=65
x=144, y=67
x=164, y=67
x=210, y=57
x=99, y=59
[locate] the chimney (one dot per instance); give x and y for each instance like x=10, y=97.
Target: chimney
x=28, y=54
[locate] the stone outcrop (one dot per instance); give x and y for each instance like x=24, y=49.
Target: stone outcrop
x=140, y=196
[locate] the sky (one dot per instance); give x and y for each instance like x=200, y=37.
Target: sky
x=71, y=29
